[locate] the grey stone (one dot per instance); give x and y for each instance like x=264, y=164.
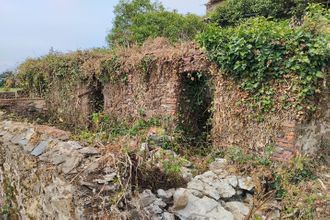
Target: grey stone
x=204, y=208
x=160, y=203
x=224, y=189
x=196, y=193
x=232, y=180
x=40, y=148
x=70, y=145
x=219, y=213
x=71, y=162
x=238, y=209
x=186, y=174
x=168, y=216
x=147, y=197
x=196, y=185
x=246, y=183
x=211, y=192
x=203, y=187
x=207, y=177
x=218, y=165
x=165, y=195
x=153, y=209
x=89, y=151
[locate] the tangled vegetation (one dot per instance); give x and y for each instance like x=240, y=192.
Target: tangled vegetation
x=232, y=12
x=259, y=51
x=294, y=184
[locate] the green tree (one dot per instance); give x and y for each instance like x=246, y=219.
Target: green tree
x=125, y=11
x=174, y=26
x=5, y=76
x=138, y=20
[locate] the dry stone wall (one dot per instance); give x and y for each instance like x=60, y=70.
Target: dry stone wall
x=50, y=176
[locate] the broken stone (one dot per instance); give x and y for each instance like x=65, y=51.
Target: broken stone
x=70, y=162
x=207, y=177
x=89, y=151
x=180, y=199
x=238, y=209
x=147, y=197
x=160, y=203
x=153, y=209
x=196, y=185
x=165, y=195
x=41, y=147
x=246, y=183
x=232, y=180
x=218, y=165
x=224, y=189
x=168, y=216
x=186, y=174
x=70, y=145
x=196, y=193
x=204, y=208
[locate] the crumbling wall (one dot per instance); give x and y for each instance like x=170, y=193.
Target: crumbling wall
x=72, y=105
x=148, y=81
x=289, y=131
x=44, y=175
x=153, y=83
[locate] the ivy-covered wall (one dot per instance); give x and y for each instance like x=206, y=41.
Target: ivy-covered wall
x=148, y=82
x=150, y=85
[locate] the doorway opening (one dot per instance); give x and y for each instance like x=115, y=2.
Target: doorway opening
x=195, y=103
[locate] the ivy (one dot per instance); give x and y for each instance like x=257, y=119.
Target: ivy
x=259, y=52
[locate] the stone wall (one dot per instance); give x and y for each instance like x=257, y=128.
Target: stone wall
x=24, y=105
x=70, y=102
x=49, y=176
x=44, y=175
x=235, y=125
x=155, y=90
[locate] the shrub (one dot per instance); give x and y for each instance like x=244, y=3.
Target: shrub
x=259, y=51
x=171, y=25
x=232, y=11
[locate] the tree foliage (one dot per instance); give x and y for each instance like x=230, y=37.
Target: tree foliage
x=6, y=77
x=138, y=20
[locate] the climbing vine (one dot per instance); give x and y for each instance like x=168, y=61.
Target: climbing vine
x=260, y=53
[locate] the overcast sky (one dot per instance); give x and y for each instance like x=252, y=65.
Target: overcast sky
x=29, y=28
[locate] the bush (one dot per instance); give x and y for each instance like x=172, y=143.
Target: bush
x=259, y=51
x=138, y=20
x=171, y=25
x=233, y=11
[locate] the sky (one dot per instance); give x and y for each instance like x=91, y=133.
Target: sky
x=30, y=28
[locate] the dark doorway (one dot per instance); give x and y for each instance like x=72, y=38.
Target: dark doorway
x=97, y=96
x=195, y=108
